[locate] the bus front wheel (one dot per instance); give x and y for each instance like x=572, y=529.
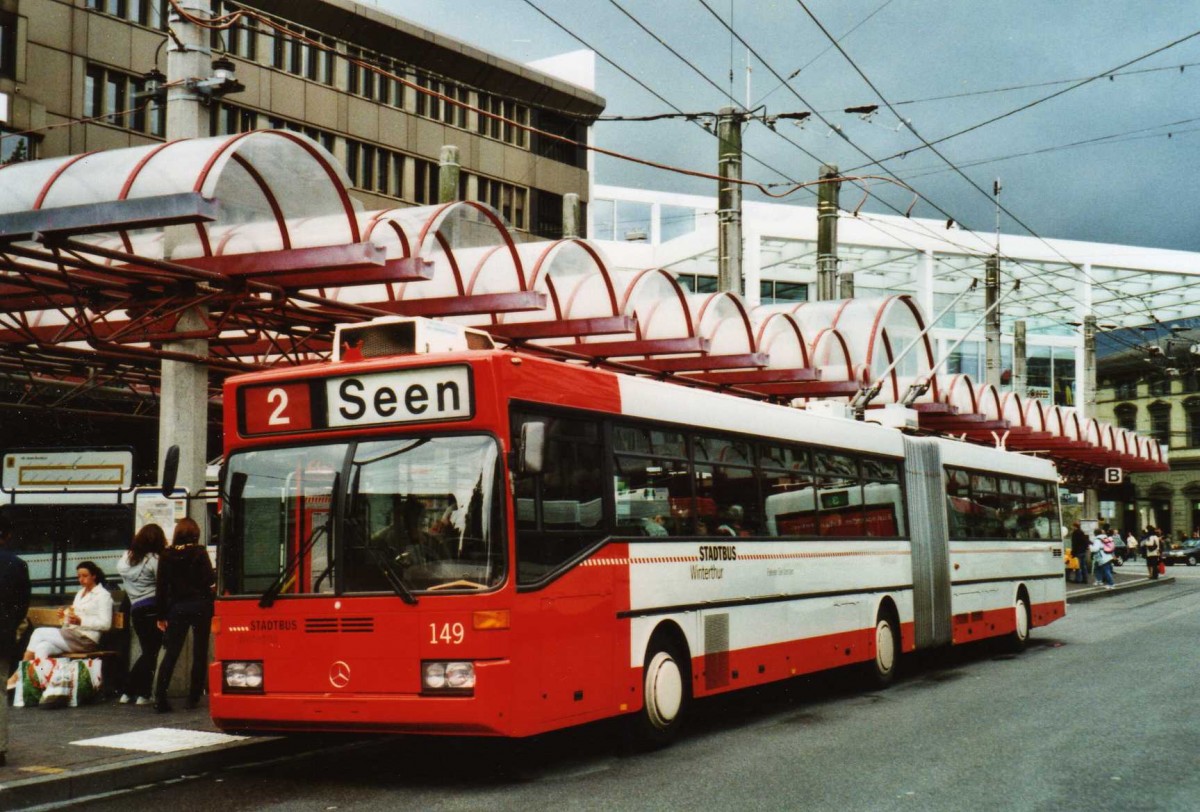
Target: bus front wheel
x=666, y=693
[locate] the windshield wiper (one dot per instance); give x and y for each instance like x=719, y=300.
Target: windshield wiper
x=268, y=597
x=394, y=579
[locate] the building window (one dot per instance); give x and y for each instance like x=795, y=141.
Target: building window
x=375, y=169
x=228, y=119
x=8, y=45
x=16, y=147
x=1126, y=415
x=240, y=39
x=432, y=105
x=775, y=291
x=492, y=126
x=511, y=201
x=425, y=181
x=150, y=13
x=1191, y=407
x=1126, y=389
x=110, y=96
x=1160, y=422
x=567, y=152
x=1160, y=386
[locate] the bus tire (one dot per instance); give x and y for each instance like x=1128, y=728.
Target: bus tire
x=1018, y=640
x=885, y=662
x=666, y=695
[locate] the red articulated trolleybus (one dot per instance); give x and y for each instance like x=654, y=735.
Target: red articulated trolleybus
x=441, y=537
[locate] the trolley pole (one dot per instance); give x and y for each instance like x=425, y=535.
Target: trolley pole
x=729, y=200
x=827, y=223
x=991, y=297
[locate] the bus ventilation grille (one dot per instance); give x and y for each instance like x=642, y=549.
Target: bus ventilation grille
x=334, y=625
x=716, y=651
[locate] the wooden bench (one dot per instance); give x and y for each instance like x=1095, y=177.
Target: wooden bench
x=40, y=616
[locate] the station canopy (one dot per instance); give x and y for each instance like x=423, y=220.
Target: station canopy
x=112, y=262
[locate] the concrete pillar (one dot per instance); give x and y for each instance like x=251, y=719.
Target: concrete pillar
x=183, y=396
x=449, y=171
x=1020, y=357
x=1085, y=387
x=729, y=200
x=827, y=239
x=570, y=215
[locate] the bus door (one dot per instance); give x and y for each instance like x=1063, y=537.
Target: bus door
x=930, y=541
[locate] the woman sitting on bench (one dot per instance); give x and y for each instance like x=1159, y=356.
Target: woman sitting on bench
x=82, y=621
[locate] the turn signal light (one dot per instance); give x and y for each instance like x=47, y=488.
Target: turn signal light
x=490, y=620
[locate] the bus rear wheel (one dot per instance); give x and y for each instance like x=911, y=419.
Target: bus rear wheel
x=1019, y=638
x=666, y=694
x=881, y=670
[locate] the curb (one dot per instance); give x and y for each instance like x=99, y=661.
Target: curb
x=74, y=786
x=1092, y=593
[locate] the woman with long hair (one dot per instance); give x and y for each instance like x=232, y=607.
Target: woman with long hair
x=185, y=601
x=82, y=622
x=139, y=569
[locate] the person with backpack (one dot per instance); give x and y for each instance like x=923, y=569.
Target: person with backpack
x=1102, y=548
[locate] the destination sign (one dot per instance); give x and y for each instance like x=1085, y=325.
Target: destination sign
x=403, y=396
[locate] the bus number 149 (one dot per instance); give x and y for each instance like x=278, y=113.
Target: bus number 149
x=446, y=633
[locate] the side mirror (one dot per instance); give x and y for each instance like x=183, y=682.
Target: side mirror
x=533, y=448
x=170, y=470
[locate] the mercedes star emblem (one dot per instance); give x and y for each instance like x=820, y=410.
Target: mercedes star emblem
x=339, y=674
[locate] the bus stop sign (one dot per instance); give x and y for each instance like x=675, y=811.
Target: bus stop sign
x=1113, y=476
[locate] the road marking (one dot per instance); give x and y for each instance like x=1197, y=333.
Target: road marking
x=161, y=740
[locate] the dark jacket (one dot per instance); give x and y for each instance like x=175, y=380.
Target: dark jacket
x=14, y=599
x=184, y=574
x=1079, y=543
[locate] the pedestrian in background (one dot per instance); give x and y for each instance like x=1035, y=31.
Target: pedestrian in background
x=139, y=569
x=14, y=605
x=1153, y=551
x=185, y=601
x=1101, y=550
x=1079, y=551
x=1131, y=545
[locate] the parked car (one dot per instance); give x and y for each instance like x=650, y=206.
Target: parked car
x=1188, y=554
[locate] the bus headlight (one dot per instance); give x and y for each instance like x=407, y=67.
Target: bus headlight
x=438, y=676
x=243, y=676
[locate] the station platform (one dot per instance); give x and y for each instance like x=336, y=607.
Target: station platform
x=57, y=757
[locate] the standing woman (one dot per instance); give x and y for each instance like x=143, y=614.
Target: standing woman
x=139, y=569
x=185, y=601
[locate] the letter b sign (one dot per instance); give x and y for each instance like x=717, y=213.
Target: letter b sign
x=1113, y=476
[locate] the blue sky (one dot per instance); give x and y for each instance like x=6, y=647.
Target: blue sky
x=1138, y=183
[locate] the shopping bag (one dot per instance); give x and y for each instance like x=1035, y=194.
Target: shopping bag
x=1162, y=568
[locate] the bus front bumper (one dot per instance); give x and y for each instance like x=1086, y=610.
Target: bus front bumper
x=485, y=712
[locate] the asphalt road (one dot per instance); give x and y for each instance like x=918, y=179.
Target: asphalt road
x=1099, y=713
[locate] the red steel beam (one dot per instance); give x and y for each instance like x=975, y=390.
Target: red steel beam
x=565, y=328
x=462, y=305
x=749, y=376
x=701, y=362
x=658, y=346
x=810, y=389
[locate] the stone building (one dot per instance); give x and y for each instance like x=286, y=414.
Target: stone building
x=66, y=60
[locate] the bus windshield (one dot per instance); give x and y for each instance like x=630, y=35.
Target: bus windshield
x=405, y=515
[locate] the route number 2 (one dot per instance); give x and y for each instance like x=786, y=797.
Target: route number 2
x=446, y=633
x=279, y=398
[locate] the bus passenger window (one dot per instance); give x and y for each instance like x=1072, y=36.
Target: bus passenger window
x=648, y=488
x=560, y=510
x=883, y=499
